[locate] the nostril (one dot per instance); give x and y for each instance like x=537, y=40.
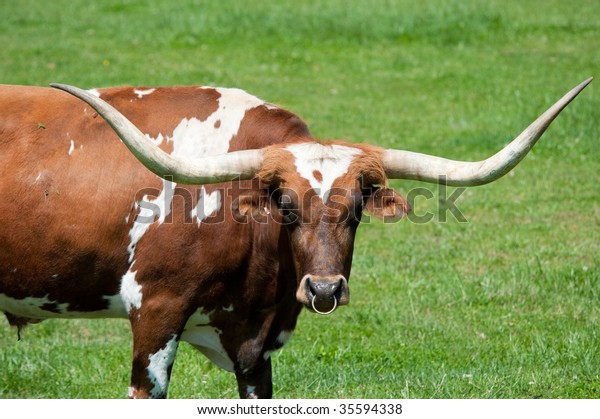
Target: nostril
x=312, y=289
x=338, y=284
x=338, y=288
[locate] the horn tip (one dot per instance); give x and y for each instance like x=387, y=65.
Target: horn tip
x=64, y=87
x=576, y=90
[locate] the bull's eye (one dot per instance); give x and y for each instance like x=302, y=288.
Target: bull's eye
x=284, y=201
x=288, y=209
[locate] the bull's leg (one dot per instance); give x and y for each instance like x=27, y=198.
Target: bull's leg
x=256, y=383
x=156, y=334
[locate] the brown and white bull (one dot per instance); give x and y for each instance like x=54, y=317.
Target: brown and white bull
x=249, y=219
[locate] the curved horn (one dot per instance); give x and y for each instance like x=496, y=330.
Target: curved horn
x=400, y=164
x=214, y=169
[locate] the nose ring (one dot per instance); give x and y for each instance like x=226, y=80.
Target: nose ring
x=324, y=313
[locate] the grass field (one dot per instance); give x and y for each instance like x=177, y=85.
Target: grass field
x=505, y=305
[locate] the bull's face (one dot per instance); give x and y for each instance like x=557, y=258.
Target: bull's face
x=321, y=192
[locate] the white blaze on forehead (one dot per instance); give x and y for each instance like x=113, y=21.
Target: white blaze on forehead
x=322, y=164
x=141, y=93
x=158, y=370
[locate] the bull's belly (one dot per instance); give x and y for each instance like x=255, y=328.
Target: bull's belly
x=40, y=308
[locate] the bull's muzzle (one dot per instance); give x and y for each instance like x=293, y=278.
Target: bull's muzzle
x=323, y=294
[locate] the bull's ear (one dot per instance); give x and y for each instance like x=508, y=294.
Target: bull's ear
x=387, y=204
x=251, y=205
x=244, y=205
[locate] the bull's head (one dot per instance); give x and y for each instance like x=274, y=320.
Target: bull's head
x=321, y=189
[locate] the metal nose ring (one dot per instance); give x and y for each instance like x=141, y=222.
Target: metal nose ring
x=324, y=313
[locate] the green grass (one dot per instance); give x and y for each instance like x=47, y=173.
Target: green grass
x=506, y=305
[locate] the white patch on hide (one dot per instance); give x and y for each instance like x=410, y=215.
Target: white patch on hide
x=191, y=139
x=206, y=339
x=131, y=291
x=207, y=205
x=250, y=392
x=152, y=210
x=160, y=362
x=141, y=93
x=45, y=308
